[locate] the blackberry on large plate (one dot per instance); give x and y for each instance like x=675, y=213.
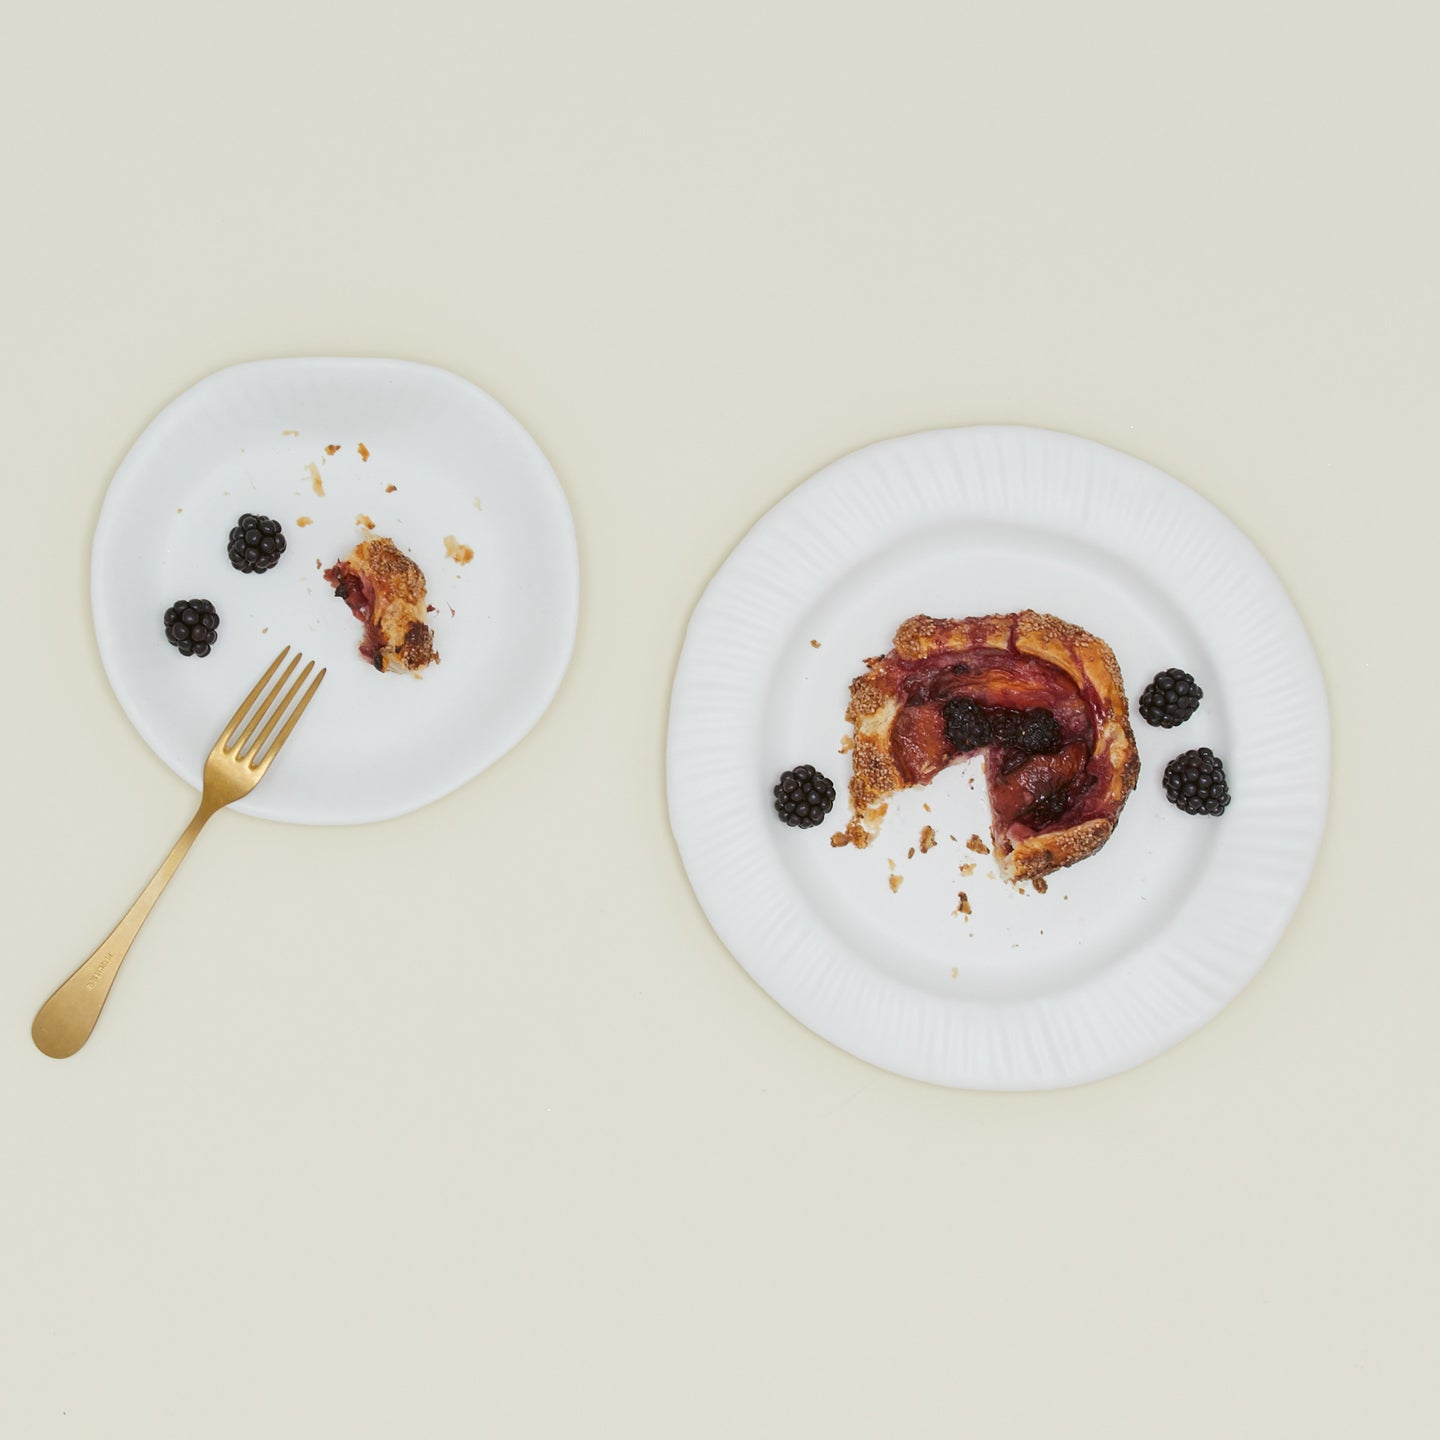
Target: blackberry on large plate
x=1195, y=781
x=1170, y=699
x=803, y=797
x=1035, y=731
x=256, y=544
x=967, y=725
x=191, y=626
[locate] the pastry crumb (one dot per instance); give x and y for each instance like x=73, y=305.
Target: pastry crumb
x=910, y=854
x=316, y=483
x=839, y=838
x=890, y=863
x=967, y=869
x=266, y=630
x=976, y=844
x=896, y=881
x=302, y=521
x=846, y=741
x=477, y=502
x=366, y=521
x=331, y=449
x=954, y=972
x=283, y=432
x=1040, y=886
x=926, y=807
x=814, y=644
x=963, y=908
x=361, y=451
x=927, y=840
x=460, y=554
x=389, y=489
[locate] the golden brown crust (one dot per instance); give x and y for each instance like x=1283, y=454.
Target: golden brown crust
x=1041, y=854
x=1086, y=659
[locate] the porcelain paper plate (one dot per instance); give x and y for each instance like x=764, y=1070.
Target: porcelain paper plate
x=1127, y=952
x=422, y=454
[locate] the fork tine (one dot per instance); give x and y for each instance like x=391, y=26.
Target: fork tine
x=249, y=700
x=263, y=764
x=249, y=752
x=263, y=706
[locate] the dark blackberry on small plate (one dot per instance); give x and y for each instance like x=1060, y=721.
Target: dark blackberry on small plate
x=192, y=626
x=1195, y=781
x=1170, y=699
x=803, y=797
x=256, y=544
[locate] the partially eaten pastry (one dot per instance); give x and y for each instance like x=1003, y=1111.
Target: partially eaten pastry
x=1042, y=699
x=385, y=589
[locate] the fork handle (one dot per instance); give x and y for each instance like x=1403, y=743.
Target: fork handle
x=64, y=1022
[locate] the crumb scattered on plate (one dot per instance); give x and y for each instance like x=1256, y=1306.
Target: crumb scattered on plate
x=910, y=855
x=477, y=502
x=976, y=844
x=814, y=644
x=266, y=630
x=389, y=489
x=846, y=741
x=1040, y=887
x=361, y=451
x=954, y=972
x=927, y=840
x=289, y=432
x=331, y=449
x=316, y=483
x=366, y=521
x=460, y=554
x=838, y=839
x=303, y=520
x=896, y=881
x=967, y=869
x=963, y=908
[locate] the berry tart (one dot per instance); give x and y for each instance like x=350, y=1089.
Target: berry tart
x=385, y=589
x=1040, y=699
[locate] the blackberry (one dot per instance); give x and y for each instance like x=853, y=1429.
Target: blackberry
x=967, y=726
x=803, y=797
x=1036, y=731
x=1170, y=699
x=191, y=626
x=1195, y=781
x=1045, y=810
x=256, y=544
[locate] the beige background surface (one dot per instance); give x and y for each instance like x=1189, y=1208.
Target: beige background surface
x=536, y=1157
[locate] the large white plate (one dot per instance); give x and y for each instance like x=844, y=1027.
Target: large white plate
x=1129, y=951
x=372, y=745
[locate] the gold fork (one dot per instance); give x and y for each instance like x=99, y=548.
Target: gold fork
x=233, y=769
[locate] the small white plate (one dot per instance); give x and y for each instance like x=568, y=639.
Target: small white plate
x=1127, y=952
x=253, y=438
